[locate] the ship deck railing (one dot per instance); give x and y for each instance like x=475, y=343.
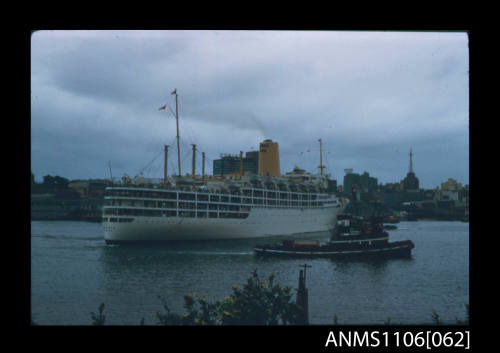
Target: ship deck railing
x=251, y=201
x=192, y=204
x=266, y=193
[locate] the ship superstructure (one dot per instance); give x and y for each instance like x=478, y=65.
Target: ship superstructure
x=234, y=206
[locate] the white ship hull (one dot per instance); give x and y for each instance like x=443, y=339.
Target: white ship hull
x=261, y=222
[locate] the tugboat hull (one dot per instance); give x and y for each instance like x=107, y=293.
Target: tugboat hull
x=353, y=237
x=399, y=249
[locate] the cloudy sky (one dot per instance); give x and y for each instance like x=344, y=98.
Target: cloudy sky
x=370, y=97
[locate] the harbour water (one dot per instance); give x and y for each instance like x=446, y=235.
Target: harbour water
x=73, y=271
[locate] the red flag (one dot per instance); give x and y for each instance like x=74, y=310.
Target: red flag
x=163, y=108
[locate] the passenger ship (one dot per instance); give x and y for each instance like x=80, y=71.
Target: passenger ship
x=236, y=206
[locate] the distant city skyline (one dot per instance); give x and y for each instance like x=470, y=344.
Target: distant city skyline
x=370, y=97
x=39, y=179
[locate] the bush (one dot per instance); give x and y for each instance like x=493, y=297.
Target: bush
x=256, y=303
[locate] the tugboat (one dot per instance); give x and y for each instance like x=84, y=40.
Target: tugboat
x=353, y=236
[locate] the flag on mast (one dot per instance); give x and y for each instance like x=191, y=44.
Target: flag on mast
x=163, y=108
x=174, y=91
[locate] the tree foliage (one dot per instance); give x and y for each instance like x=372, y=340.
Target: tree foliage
x=258, y=302
x=55, y=182
x=54, y=185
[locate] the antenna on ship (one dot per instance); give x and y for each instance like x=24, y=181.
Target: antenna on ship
x=321, y=166
x=177, y=124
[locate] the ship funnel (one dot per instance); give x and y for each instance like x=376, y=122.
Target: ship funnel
x=269, y=159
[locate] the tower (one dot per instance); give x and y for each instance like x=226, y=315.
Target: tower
x=411, y=162
x=410, y=182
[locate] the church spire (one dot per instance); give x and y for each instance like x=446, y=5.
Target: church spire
x=411, y=162
x=410, y=182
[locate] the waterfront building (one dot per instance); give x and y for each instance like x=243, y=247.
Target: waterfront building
x=363, y=182
x=454, y=191
x=451, y=185
x=49, y=207
x=89, y=188
x=230, y=164
x=449, y=195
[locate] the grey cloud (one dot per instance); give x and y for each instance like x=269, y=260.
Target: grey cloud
x=95, y=96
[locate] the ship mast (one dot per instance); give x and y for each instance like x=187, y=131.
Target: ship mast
x=193, y=171
x=321, y=166
x=177, y=124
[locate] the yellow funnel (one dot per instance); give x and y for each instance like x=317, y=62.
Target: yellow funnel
x=269, y=159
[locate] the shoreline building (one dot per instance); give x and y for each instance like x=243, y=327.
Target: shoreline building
x=360, y=183
x=231, y=164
